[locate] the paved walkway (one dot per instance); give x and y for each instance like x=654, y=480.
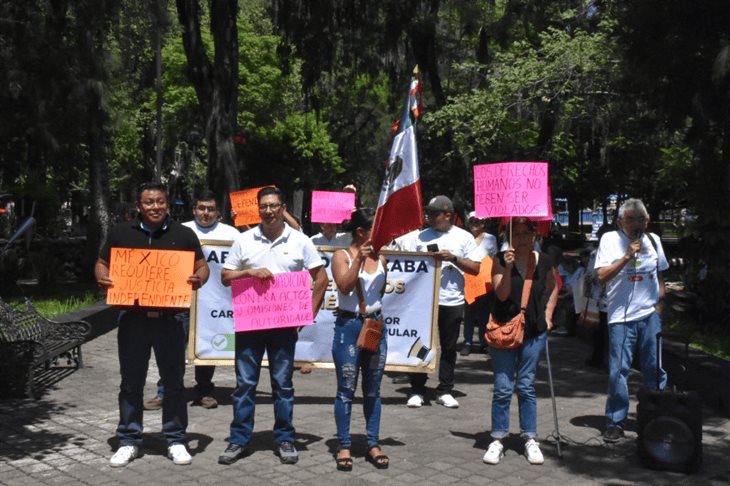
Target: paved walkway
x=67, y=436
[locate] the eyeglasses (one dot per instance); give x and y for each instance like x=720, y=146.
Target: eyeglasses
x=635, y=219
x=272, y=207
x=206, y=209
x=148, y=203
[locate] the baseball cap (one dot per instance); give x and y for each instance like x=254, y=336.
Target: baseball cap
x=440, y=203
x=471, y=215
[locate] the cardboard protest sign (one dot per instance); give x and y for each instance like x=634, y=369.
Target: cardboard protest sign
x=332, y=207
x=150, y=278
x=478, y=285
x=246, y=205
x=511, y=189
x=282, y=301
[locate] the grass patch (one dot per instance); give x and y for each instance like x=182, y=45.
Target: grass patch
x=64, y=300
x=711, y=342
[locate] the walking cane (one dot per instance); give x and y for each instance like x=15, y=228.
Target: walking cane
x=552, y=396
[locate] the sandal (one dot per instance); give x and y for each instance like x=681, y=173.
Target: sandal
x=379, y=460
x=344, y=463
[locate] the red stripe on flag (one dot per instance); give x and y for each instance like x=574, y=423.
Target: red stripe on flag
x=401, y=213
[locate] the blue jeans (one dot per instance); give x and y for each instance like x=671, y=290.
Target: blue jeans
x=622, y=340
x=505, y=362
x=349, y=361
x=138, y=335
x=279, y=345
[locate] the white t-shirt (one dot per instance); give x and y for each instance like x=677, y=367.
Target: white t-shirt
x=487, y=247
x=216, y=231
x=406, y=242
x=632, y=294
x=460, y=243
x=292, y=251
x=340, y=240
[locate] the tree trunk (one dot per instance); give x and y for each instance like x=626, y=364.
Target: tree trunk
x=216, y=86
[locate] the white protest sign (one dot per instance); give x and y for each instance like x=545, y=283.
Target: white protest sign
x=410, y=307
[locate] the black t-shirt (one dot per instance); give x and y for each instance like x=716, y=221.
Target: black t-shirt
x=535, y=314
x=170, y=236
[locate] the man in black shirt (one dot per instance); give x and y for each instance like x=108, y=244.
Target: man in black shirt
x=142, y=329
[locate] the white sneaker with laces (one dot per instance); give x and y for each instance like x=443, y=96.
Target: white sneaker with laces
x=123, y=456
x=415, y=401
x=494, y=453
x=533, y=453
x=179, y=454
x=447, y=401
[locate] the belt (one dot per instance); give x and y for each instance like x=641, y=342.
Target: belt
x=352, y=315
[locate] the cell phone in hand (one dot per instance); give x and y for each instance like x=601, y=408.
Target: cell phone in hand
x=433, y=247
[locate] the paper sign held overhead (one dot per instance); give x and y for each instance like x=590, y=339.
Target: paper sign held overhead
x=332, y=207
x=282, y=301
x=246, y=205
x=511, y=189
x=150, y=278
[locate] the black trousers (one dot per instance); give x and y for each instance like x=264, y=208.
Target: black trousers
x=449, y=325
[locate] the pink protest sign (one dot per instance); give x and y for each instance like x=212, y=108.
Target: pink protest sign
x=332, y=207
x=511, y=189
x=282, y=301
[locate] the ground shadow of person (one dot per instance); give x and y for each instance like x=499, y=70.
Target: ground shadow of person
x=598, y=422
x=359, y=445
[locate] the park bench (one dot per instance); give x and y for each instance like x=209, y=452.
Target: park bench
x=30, y=343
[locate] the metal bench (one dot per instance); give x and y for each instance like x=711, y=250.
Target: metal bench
x=29, y=341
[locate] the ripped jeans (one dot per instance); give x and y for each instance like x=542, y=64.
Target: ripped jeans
x=349, y=361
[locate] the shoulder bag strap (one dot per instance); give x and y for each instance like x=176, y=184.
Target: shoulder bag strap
x=527, y=286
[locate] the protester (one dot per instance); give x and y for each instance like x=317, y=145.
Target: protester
x=597, y=291
x=329, y=236
x=270, y=248
x=565, y=311
x=358, y=271
x=477, y=311
x=457, y=252
x=630, y=262
x=508, y=275
x=143, y=328
x=206, y=225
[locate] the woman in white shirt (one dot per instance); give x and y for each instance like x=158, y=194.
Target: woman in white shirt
x=352, y=266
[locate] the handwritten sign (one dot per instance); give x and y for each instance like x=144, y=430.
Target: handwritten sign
x=511, y=189
x=480, y=284
x=246, y=205
x=150, y=278
x=332, y=207
x=283, y=301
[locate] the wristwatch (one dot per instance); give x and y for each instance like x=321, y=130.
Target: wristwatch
x=454, y=258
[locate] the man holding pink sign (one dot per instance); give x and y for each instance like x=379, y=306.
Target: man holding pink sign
x=268, y=250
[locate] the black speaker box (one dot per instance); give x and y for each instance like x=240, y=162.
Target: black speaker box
x=670, y=426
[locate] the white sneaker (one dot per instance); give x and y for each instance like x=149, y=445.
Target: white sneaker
x=416, y=401
x=447, y=401
x=123, y=456
x=533, y=453
x=179, y=454
x=494, y=453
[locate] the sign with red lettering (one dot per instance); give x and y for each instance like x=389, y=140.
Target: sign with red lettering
x=150, y=278
x=246, y=205
x=282, y=301
x=332, y=207
x=511, y=189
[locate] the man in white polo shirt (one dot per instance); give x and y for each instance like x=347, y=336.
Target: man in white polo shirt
x=271, y=247
x=457, y=251
x=630, y=261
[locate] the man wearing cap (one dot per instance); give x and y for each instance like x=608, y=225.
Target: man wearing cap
x=457, y=252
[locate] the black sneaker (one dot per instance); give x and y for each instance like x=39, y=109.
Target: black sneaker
x=613, y=434
x=288, y=453
x=232, y=453
x=466, y=350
